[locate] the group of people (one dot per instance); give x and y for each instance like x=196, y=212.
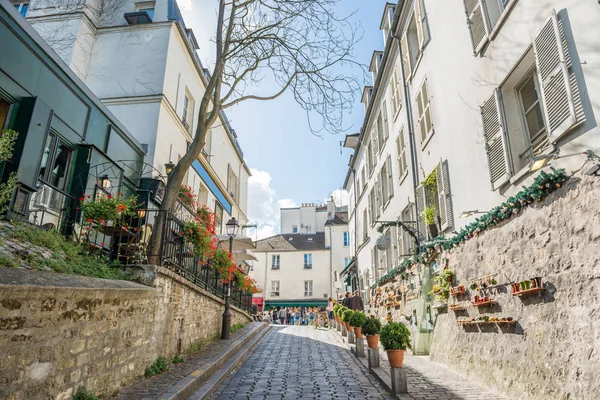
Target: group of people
x=315, y=316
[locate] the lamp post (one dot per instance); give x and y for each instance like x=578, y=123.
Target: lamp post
x=232, y=230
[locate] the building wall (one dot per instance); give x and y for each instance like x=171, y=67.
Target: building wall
x=339, y=252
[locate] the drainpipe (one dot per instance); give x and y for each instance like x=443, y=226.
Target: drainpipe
x=330, y=263
x=411, y=140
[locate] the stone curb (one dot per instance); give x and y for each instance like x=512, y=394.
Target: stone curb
x=213, y=383
x=188, y=385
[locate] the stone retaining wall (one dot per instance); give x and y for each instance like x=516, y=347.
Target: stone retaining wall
x=58, y=332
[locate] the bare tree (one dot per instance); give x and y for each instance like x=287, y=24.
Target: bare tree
x=293, y=45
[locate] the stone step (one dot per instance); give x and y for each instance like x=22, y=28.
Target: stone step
x=190, y=384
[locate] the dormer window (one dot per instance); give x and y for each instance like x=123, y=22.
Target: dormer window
x=148, y=7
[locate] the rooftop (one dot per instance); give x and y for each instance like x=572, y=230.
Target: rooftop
x=292, y=242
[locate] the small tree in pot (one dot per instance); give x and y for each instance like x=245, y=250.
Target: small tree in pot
x=356, y=320
x=371, y=327
x=336, y=308
x=346, y=318
x=395, y=339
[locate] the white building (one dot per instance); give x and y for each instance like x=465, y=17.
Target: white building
x=472, y=103
x=302, y=265
x=140, y=60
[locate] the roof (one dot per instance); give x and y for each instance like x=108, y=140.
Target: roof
x=292, y=242
x=341, y=218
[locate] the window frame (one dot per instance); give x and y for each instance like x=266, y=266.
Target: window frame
x=307, y=261
x=308, y=292
x=275, y=284
x=402, y=158
x=275, y=265
x=24, y=5
x=346, y=238
x=426, y=109
x=55, y=139
x=532, y=74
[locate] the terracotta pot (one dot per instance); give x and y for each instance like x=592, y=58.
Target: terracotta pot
x=372, y=341
x=348, y=326
x=358, y=332
x=516, y=287
x=396, y=358
x=433, y=230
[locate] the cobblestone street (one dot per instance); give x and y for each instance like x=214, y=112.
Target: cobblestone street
x=301, y=363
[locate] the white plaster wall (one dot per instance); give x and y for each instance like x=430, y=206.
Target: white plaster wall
x=338, y=251
x=289, y=218
x=320, y=220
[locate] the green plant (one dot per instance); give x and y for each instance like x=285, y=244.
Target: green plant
x=395, y=336
x=222, y=262
x=196, y=346
x=236, y=327
x=6, y=261
x=177, y=359
x=357, y=318
x=340, y=311
x=371, y=326
x=429, y=215
x=336, y=307
x=8, y=138
x=199, y=236
x=442, y=284
x=346, y=315
x=83, y=394
x=108, y=208
x=430, y=183
x=158, y=367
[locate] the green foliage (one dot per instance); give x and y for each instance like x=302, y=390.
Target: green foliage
x=68, y=257
x=83, y=394
x=177, y=359
x=158, y=367
x=395, y=336
x=346, y=315
x=6, y=261
x=443, y=284
x=8, y=138
x=371, y=326
x=199, y=236
x=196, y=346
x=357, y=318
x=222, y=262
x=107, y=209
x=429, y=215
x=6, y=191
x=236, y=327
x=544, y=184
x=340, y=311
x=336, y=307
x=430, y=183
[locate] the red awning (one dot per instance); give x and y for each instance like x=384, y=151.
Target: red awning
x=258, y=300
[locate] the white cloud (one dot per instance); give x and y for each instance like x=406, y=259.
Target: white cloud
x=340, y=197
x=263, y=209
x=185, y=5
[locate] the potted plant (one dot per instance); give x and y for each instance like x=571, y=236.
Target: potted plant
x=371, y=327
x=346, y=318
x=429, y=218
x=395, y=339
x=356, y=320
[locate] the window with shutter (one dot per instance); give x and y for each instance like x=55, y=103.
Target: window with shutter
x=390, y=177
x=421, y=200
x=395, y=87
x=422, y=28
x=496, y=141
x=378, y=197
x=365, y=224
x=375, y=140
x=405, y=57
x=558, y=84
x=444, y=198
x=402, y=164
x=386, y=130
x=478, y=23
x=424, y=114
x=407, y=240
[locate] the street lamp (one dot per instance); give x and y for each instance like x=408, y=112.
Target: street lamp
x=232, y=230
x=169, y=167
x=104, y=182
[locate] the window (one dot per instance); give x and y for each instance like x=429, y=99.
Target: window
x=482, y=17
x=5, y=113
x=295, y=229
x=424, y=114
x=218, y=217
x=378, y=197
x=402, y=164
x=395, y=86
x=382, y=127
x=533, y=118
x=364, y=178
x=414, y=39
x=438, y=198
x=346, y=238
x=406, y=242
x=55, y=164
x=22, y=8
x=308, y=288
x=274, y=288
x=386, y=182
x=346, y=261
x=275, y=261
x=389, y=251
x=369, y=158
x=372, y=206
x=187, y=115
x=233, y=184
x=365, y=225
x=147, y=7
x=307, y=261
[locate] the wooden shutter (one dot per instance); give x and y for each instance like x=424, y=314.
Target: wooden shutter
x=551, y=61
x=478, y=23
x=422, y=30
x=496, y=141
x=386, y=130
x=444, y=198
x=421, y=200
x=405, y=57
x=390, y=177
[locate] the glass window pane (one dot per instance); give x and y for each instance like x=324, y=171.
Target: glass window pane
x=535, y=121
x=4, y=108
x=428, y=119
x=46, y=156
x=61, y=165
x=529, y=94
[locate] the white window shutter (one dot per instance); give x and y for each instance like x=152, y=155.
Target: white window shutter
x=496, y=141
x=444, y=198
x=405, y=57
x=478, y=23
x=390, y=177
x=557, y=94
x=421, y=201
x=386, y=130
x=422, y=30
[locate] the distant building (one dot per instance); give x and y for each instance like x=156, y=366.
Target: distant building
x=301, y=267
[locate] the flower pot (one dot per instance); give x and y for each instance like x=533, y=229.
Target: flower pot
x=516, y=287
x=433, y=230
x=372, y=341
x=358, y=332
x=396, y=358
x=523, y=287
x=348, y=326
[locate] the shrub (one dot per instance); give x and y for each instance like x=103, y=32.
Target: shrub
x=395, y=336
x=371, y=326
x=346, y=315
x=83, y=394
x=158, y=367
x=336, y=307
x=341, y=311
x=357, y=318
x=177, y=359
x=236, y=327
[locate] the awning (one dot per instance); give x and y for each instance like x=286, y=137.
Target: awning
x=258, y=300
x=346, y=270
x=296, y=303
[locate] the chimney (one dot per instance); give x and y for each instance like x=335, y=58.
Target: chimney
x=330, y=208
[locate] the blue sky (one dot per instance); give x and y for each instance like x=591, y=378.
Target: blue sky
x=291, y=165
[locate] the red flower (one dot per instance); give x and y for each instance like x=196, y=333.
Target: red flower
x=109, y=196
x=90, y=220
x=82, y=198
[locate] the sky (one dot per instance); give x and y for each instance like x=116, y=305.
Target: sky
x=289, y=164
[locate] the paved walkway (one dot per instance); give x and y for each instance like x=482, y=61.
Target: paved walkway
x=297, y=362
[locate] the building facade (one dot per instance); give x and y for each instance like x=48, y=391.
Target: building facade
x=461, y=114
x=302, y=266
x=140, y=59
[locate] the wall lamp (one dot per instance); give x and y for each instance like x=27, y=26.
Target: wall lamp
x=539, y=162
x=169, y=167
x=467, y=214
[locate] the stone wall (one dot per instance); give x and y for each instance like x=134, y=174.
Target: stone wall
x=552, y=350
x=58, y=332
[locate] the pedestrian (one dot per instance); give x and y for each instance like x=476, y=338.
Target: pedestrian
x=329, y=311
x=289, y=316
x=281, y=315
x=275, y=315
x=346, y=301
x=356, y=302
